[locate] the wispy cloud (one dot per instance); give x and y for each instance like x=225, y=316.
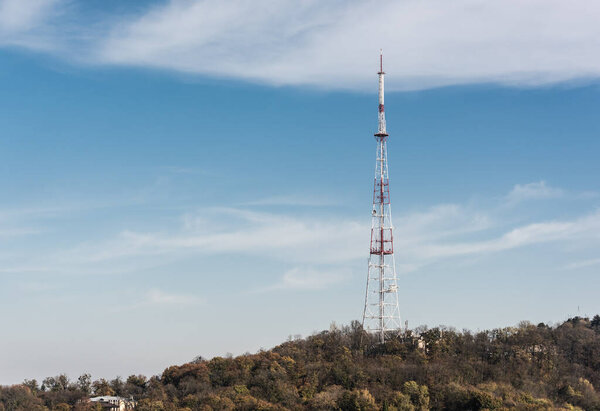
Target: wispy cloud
x=421, y=238
x=20, y=267
x=579, y=229
x=188, y=170
x=304, y=278
x=533, y=191
x=28, y=23
x=20, y=16
x=158, y=298
x=292, y=200
x=18, y=231
x=32, y=220
x=332, y=44
x=582, y=264
x=294, y=239
x=316, y=246
x=443, y=220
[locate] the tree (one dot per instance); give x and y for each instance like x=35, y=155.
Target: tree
x=419, y=395
x=102, y=387
x=32, y=385
x=525, y=367
x=595, y=324
x=84, y=383
x=118, y=386
x=357, y=400
x=58, y=383
x=19, y=397
x=135, y=385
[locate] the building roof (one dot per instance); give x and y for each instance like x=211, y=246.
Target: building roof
x=109, y=398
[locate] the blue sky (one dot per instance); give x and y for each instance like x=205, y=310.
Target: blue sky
x=170, y=189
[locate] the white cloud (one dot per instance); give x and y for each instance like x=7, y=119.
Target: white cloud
x=315, y=246
x=226, y=230
x=156, y=297
x=328, y=44
x=291, y=200
x=307, y=279
x=335, y=44
x=17, y=231
x=533, y=191
x=19, y=15
x=420, y=239
x=23, y=269
x=26, y=23
x=582, y=264
x=443, y=220
x=583, y=228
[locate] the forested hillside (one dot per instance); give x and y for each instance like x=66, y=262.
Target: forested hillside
x=529, y=367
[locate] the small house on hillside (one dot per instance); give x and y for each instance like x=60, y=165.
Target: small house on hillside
x=112, y=403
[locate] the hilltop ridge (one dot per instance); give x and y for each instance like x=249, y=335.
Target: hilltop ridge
x=527, y=367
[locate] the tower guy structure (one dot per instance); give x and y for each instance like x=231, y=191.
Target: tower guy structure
x=381, y=315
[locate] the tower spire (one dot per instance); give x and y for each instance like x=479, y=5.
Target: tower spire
x=381, y=315
x=381, y=73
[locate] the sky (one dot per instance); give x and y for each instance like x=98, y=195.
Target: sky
x=183, y=178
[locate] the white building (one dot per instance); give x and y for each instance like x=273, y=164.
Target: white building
x=112, y=403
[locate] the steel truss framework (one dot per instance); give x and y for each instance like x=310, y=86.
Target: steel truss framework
x=381, y=315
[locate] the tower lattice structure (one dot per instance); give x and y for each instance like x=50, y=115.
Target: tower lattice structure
x=381, y=315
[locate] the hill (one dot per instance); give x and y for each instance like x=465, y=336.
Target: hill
x=528, y=367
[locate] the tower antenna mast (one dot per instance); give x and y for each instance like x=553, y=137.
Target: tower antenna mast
x=381, y=315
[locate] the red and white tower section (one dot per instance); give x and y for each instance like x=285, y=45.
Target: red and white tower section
x=381, y=314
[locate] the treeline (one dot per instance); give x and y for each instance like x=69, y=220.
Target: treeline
x=529, y=367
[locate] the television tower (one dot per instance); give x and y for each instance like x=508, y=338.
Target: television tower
x=381, y=315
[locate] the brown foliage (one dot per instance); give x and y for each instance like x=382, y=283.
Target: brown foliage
x=527, y=367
